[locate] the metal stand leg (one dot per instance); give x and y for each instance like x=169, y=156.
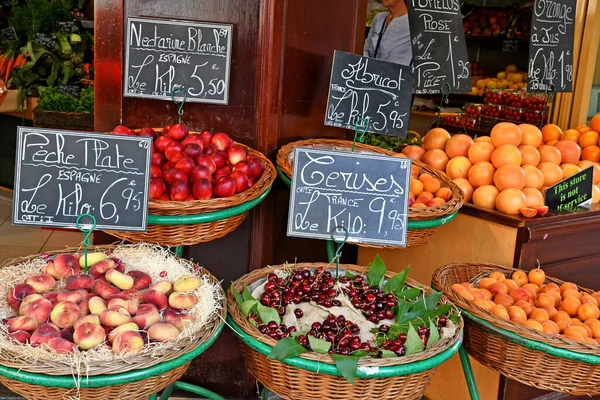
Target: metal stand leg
x=330, y=250
x=468, y=372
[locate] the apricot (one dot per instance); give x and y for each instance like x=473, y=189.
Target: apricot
x=431, y=185
x=444, y=193
x=550, y=287
x=467, y=285
x=573, y=336
x=500, y=311
x=533, y=325
x=589, y=340
x=520, y=278
x=487, y=295
x=486, y=283
x=571, y=305
x=526, y=306
x=596, y=295
x=576, y=330
x=590, y=322
x=537, y=276
x=551, y=327
x=567, y=286
x=555, y=296
x=544, y=299
x=539, y=314
x=562, y=325
x=595, y=330
x=510, y=285
x=520, y=294
x=562, y=316
x=498, y=287
x=586, y=298
x=425, y=176
x=484, y=304
x=465, y=294
x=571, y=293
x=457, y=287
x=498, y=276
x=532, y=289
x=416, y=187
x=504, y=300
x=551, y=311
x=477, y=294
x=587, y=311
x=414, y=171
x=517, y=314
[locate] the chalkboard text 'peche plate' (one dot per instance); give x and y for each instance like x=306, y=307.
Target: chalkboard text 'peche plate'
x=362, y=195
x=161, y=56
x=62, y=174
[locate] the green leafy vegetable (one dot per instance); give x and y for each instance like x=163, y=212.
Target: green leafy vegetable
x=347, y=365
x=286, y=348
x=434, y=334
x=376, y=272
x=319, y=345
x=413, y=344
x=395, y=285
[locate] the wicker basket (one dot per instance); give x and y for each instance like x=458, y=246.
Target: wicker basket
x=134, y=362
x=522, y=364
x=415, y=237
x=187, y=235
x=63, y=120
x=295, y=383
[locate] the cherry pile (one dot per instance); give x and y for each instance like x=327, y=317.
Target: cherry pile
x=342, y=334
x=375, y=304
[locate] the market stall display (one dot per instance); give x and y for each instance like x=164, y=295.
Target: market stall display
x=518, y=341
x=335, y=331
x=65, y=110
x=204, y=181
x=76, y=325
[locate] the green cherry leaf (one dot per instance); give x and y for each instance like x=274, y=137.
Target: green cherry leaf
x=347, y=365
x=395, y=285
x=376, y=272
x=434, y=334
x=387, y=354
x=414, y=344
x=286, y=348
x=267, y=314
x=319, y=345
x=247, y=307
x=246, y=295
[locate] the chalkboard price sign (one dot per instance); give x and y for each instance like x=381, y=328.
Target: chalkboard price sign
x=161, y=56
x=72, y=90
x=68, y=27
x=62, y=174
x=574, y=191
x=9, y=35
x=551, y=46
x=374, y=90
x=47, y=41
x=362, y=195
x=438, y=45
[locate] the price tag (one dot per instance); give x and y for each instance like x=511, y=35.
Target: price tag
x=62, y=174
x=47, y=41
x=9, y=35
x=72, y=90
x=362, y=195
x=68, y=27
x=163, y=55
x=510, y=46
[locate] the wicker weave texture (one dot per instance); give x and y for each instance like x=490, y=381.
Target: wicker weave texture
x=63, y=120
x=530, y=367
x=116, y=366
x=139, y=390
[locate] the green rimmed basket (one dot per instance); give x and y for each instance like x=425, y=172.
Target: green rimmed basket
x=422, y=222
x=312, y=376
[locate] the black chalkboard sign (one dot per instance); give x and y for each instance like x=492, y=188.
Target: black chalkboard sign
x=369, y=89
x=68, y=27
x=161, y=56
x=71, y=90
x=9, y=35
x=363, y=195
x=47, y=41
x=438, y=46
x=574, y=191
x=551, y=46
x=62, y=174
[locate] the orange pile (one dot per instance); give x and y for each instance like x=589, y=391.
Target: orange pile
x=511, y=169
x=426, y=190
x=525, y=300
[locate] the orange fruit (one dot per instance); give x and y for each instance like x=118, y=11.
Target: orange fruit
x=552, y=173
x=466, y=295
x=574, y=336
x=587, y=298
x=532, y=136
x=533, y=197
x=520, y=277
x=569, y=170
x=595, y=123
x=539, y=314
x=588, y=311
x=466, y=187
x=482, y=139
x=595, y=330
x=458, y=145
x=431, y=185
x=436, y=159
x=589, y=322
x=551, y=327
x=551, y=143
x=485, y=283
x=444, y=193
x=562, y=316
x=571, y=292
x=510, y=285
x=537, y=276
x=436, y=139
x=571, y=305
x=530, y=323
x=485, y=196
x=551, y=311
x=509, y=176
x=497, y=288
x=576, y=329
x=517, y=314
x=567, y=286
x=483, y=304
x=556, y=296
x=550, y=154
x=506, y=154
x=550, y=287
x=529, y=155
x=457, y=287
x=416, y=187
x=526, y=306
x=586, y=164
x=414, y=152
x=510, y=201
x=532, y=288
x=591, y=153
x=544, y=300
x=500, y=311
x=551, y=132
x=506, y=133
x=498, y=276
x=481, y=151
x=458, y=167
x=533, y=177
x=589, y=138
x=583, y=128
x=481, y=174
x=570, y=151
x=571, y=134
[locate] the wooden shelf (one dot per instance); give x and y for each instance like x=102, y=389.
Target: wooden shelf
x=9, y=106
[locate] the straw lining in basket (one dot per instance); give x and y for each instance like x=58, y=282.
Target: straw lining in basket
x=101, y=361
x=256, y=275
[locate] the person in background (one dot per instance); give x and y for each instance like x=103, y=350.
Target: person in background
x=389, y=37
